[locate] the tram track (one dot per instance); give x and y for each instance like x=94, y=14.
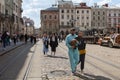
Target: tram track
x=11, y=60
x=29, y=66
x=98, y=67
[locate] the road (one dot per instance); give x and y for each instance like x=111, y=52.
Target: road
x=28, y=63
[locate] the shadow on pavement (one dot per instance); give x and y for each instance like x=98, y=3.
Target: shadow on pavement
x=91, y=77
x=57, y=57
x=16, y=63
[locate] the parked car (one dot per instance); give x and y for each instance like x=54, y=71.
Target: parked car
x=111, y=41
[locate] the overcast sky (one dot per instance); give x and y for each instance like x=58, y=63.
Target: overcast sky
x=31, y=8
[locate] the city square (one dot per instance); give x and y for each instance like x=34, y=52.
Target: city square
x=59, y=40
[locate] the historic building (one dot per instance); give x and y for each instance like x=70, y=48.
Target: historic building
x=2, y=15
x=67, y=17
x=10, y=16
x=83, y=17
x=99, y=18
x=113, y=19
x=94, y=19
x=50, y=20
x=17, y=12
x=28, y=27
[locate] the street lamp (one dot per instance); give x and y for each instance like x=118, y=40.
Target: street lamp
x=72, y=22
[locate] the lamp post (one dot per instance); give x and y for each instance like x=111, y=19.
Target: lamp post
x=72, y=22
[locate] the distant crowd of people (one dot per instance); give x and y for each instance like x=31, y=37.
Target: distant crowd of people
x=6, y=39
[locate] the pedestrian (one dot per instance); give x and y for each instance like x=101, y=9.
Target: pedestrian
x=72, y=50
x=53, y=43
x=45, y=40
x=14, y=38
x=26, y=38
x=31, y=38
x=8, y=39
x=4, y=39
x=0, y=39
x=34, y=39
x=81, y=48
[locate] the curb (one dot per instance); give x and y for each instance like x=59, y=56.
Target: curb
x=5, y=52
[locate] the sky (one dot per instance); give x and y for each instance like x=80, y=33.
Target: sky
x=31, y=8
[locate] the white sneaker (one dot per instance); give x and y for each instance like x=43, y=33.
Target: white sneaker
x=82, y=72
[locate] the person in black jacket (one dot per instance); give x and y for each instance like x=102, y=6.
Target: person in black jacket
x=81, y=48
x=53, y=43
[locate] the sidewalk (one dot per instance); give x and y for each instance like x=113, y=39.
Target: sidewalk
x=9, y=48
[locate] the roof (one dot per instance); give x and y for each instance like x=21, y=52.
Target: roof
x=51, y=9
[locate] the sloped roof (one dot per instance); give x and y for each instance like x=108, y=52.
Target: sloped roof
x=52, y=8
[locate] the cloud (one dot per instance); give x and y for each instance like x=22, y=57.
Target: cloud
x=104, y=2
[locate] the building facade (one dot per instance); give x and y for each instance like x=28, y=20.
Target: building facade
x=28, y=27
x=83, y=17
x=67, y=16
x=50, y=20
x=2, y=15
x=17, y=12
x=113, y=19
x=9, y=20
x=99, y=19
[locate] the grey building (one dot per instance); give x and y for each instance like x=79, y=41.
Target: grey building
x=99, y=19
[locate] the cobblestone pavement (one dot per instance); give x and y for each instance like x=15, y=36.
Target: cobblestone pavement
x=102, y=63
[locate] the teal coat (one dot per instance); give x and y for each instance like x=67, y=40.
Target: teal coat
x=73, y=53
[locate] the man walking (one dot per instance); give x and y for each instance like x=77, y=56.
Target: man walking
x=81, y=48
x=72, y=51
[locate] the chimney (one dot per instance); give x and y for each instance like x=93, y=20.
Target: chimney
x=106, y=5
x=83, y=4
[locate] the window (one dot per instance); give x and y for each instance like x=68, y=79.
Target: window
x=62, y=23
x=119, y=20
x=119, y=14
x=93, y=18
x=82, y=11
x=93, y=13
x=77, y=11
x=87, y=24
x=78, y=17
x=62, y=17
x=87, y=11
x=87, y=17
x=103, y=18
x=45, y=16
x=71, y=16
x=98, y=13
x=98, y=24
x=98, y=18
x=109, y=15
x=67, y=23
x=82, y=24
x=114, y=14
x=114, y=20
x=62, y=11
x=68, y=16
x=50, y=25
x=55, y=17
x=50, y=17
x=72, y=11
x=109, y=19
x=67, y=11
x=103, y=13
x=82, y=17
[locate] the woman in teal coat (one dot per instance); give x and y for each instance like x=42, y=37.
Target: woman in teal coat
x=72, y=51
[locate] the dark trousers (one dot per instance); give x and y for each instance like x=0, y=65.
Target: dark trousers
x=82, y=60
